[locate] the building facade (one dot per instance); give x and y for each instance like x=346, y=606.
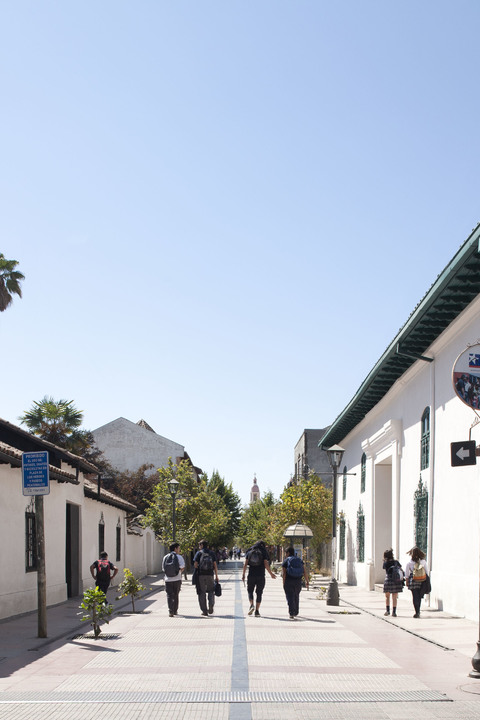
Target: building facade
x=310, y=458
x=80, y=520
x=397, y=433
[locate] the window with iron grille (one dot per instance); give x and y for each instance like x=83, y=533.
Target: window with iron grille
x=421, y=516
x=360, y=535
x=425, y=440
x=101, y=537
x=30, y=542
x=344, y=493
x=119, y=543
x=341, y=545
x=363, y=476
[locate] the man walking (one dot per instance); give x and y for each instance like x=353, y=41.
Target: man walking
x=101, y=571
x=293, y=571
x=257, y=560
x=172, y=566
x=205, y=562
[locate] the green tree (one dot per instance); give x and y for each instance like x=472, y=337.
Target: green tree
x=9, y=281
x=130, y=586
x=95, y=609
x=54, y=420
x=136, y=486
x=200, y=511
x=232, y=504
x=309, y=502
x=257, y=522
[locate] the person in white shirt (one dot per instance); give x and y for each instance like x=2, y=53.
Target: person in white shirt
x=173, y=583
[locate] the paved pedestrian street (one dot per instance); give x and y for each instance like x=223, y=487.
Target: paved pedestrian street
x=332, y=662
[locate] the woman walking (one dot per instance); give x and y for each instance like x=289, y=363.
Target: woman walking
x=393, y=583
x=417, y=576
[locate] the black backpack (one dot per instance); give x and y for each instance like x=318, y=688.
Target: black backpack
x=205, y=563
x=255, y=557
x=171, y=566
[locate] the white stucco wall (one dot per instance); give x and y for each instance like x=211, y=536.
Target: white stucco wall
x=390, y=435
x=127, y=445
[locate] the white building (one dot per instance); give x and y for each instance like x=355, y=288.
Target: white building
x=128, y=445
x=80, y=520
x=397, y=433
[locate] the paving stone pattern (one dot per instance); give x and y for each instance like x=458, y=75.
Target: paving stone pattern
x=231, y=666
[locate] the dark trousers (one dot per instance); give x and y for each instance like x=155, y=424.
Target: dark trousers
x=257, y=583
x=205, y=588
x=172, y=588
x=417, y=599
x=293, y=587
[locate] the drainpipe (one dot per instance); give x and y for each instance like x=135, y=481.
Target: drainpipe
x=431, y=494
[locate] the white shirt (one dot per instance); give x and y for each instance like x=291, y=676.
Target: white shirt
x=181, y=563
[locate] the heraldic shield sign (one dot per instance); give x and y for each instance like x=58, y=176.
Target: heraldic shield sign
x=466, y=376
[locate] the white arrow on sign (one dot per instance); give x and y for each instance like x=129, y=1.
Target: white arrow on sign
x=462, y=453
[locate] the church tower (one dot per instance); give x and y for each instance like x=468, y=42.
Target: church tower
x=255, y=491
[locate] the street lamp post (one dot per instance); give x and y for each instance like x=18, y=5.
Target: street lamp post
x=335, y=455
x=173, y=487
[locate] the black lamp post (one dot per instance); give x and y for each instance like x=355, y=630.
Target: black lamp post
x=173, y=487
x=335, y=455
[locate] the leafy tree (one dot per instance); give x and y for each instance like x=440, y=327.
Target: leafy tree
x=309, y=502
x=9, y=281
x=130, y=586
x=232, y=504
x=136, y=486
x=258, y=522
x=95, y=609
x=200, y=511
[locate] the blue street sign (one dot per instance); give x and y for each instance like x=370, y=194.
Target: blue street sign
x=35, y=474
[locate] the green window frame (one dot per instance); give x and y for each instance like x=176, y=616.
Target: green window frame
x=363, y=475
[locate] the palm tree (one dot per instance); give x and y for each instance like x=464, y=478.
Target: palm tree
x=54, y=420
x=9, y=281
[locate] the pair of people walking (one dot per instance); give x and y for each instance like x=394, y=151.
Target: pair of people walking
x=416, y=577
x=205, y=563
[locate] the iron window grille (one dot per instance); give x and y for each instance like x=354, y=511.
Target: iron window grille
x=363, y=476
x=425, y=440
x=420, y=510
x=360, y=535
x=341, y=545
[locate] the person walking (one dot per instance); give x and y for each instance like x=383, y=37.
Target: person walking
x=257, y=560
x=293, y=570
x=417, y=577
x=173, y=565
x=393, y=583
x=101, y=571
x=205, y=562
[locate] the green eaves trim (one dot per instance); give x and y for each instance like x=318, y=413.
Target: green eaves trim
x=453, y=290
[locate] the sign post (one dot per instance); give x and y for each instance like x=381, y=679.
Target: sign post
x=36, y=481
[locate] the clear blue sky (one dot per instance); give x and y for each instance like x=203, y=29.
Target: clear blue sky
x=226, y=210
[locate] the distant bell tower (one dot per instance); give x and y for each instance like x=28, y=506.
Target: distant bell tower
x=255, y=491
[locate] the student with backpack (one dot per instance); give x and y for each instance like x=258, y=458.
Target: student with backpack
x=173, y=564
x=257, y=560
x=393, y=583
x=293, y=569
x=101, y=571
x=205, y=562
x=417, y=577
